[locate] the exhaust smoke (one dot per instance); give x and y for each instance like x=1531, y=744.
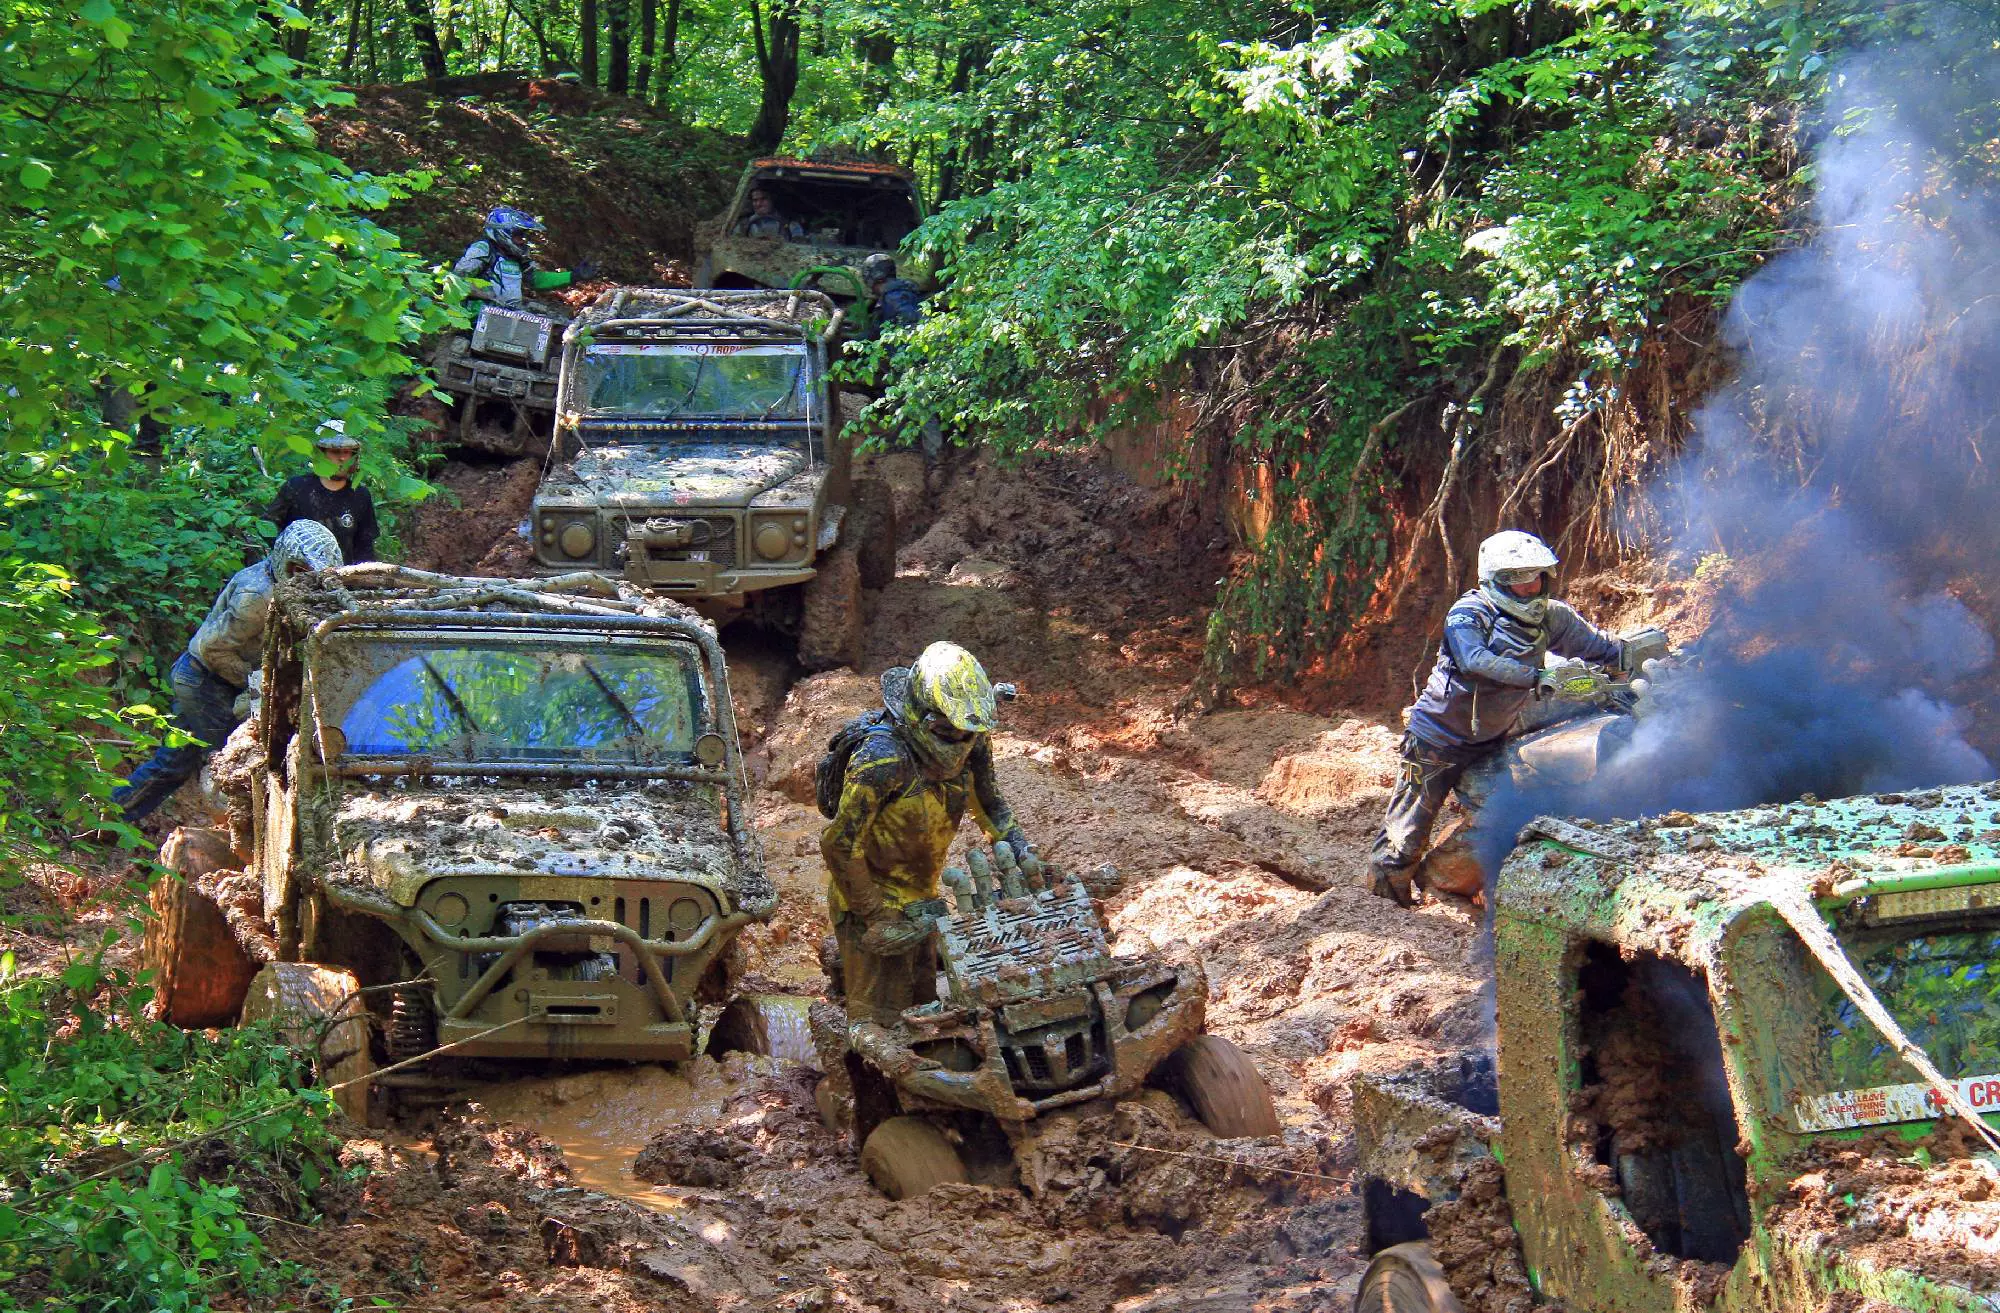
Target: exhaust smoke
x=1840, y=479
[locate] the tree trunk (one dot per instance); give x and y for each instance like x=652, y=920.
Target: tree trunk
x=878, y=60
x=586, y=40
x=353, y=39
x=777, y=71
x=618, y=19
x=649, y=31
x=298, y=40
x=374, y=68
x=423, y=29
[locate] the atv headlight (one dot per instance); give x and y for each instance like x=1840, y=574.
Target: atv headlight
x=577, y=539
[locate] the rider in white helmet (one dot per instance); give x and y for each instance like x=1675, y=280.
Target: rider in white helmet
x=220, y=658
x=1489, y=667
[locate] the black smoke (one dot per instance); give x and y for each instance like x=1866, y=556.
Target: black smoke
x=1841, y=481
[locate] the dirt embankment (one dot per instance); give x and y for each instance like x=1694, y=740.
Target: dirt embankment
x=618, y=183
x=1239, y=833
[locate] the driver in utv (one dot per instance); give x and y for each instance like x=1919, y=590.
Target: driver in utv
x=911, y=771
x=1489, y=667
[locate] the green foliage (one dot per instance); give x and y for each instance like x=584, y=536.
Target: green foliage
x=1342, y=219
x=172, y=244
x=127, y=1146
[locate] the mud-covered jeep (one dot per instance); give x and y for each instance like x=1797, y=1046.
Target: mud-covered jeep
x=510, y=813
x=833, y=214
x=706, y=460
x=1036, y=1015
x=1693, y=1107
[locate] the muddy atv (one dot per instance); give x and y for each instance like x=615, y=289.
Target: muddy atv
x=1562, y=743
x=843, y=211
x=1691, y=1108
x=704, y=458
x=1035, y=1014
x=500, y=377
x=504, y=818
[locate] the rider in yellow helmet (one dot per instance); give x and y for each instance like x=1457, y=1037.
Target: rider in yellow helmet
x=919, y=765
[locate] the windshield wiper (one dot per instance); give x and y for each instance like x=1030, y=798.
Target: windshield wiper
x=638, y=730
x=450, y=696
x=700, y=363
x=790, y=392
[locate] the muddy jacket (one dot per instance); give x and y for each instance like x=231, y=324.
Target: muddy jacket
x=1486, y=666
x=894, y=826
x=231, y=641
x=898, y=303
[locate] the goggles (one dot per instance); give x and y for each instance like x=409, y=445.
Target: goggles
x=1514, y=578
x=939, y=727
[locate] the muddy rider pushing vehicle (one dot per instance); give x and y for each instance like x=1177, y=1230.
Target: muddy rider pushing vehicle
x=911, y=771
x=1489, y=671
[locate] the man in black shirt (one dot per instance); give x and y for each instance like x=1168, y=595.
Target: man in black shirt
x=332, y=499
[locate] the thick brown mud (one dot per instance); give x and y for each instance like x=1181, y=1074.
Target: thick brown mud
x=1239, y=833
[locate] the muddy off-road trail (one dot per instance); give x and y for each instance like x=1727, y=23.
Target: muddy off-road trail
x=715, y=1186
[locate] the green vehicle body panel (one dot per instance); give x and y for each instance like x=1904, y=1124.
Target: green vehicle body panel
x=1689, y=890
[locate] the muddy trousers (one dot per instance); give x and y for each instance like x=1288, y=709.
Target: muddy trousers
x=204, y=709
x=880, y=985
x=1427, y=776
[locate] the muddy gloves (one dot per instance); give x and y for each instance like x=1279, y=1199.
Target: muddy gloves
x=892, y=934
x=1573, y=681
x=1393, y=883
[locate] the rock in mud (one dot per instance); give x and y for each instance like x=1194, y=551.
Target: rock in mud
x=693, y=1156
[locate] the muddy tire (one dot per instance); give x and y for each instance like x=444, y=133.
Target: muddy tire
x=1405, y=1279
x=1223, y=1088
x=905, y=1156
x=830, y=626
x=764, y=1026
x=318, y=1010
x=871, y=527
x=200, y=972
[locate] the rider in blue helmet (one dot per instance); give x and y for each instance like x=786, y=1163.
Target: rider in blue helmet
x=501, y=262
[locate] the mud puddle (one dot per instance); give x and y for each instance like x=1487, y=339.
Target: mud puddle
x=603, y=1118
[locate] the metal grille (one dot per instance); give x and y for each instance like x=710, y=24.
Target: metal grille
x=1048, y=1062
x=719, y=549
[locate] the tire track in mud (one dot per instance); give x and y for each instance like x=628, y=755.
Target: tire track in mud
x=1214, y=825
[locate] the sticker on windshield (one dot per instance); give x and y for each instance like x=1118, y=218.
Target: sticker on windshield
x=1887, y=1104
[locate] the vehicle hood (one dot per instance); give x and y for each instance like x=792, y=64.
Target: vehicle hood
x=396, y=840
x=642, y=476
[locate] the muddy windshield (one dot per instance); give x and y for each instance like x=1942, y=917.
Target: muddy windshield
x=515, y=702
x=694, y=381
x=1941, y=984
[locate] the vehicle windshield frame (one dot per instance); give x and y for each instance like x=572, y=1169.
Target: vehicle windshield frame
x=591, y=362
x=333, y=697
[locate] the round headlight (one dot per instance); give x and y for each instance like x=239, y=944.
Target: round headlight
x=577, y=539
x=772, y=541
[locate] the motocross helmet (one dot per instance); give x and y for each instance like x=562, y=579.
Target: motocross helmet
x=304, y=545
x=943, y=705
x=1509, y=559
x=509, y=229
x=879, y=268
x=333, y=438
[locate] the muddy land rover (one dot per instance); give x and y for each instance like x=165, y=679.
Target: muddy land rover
x=840, y=213
x=511, y=814
x=705, y=459
x=1693, y=1109
x=1036, y=1014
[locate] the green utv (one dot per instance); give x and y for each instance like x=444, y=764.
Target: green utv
x=503, y=816
x=702, y=456
x=1690, y=1111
